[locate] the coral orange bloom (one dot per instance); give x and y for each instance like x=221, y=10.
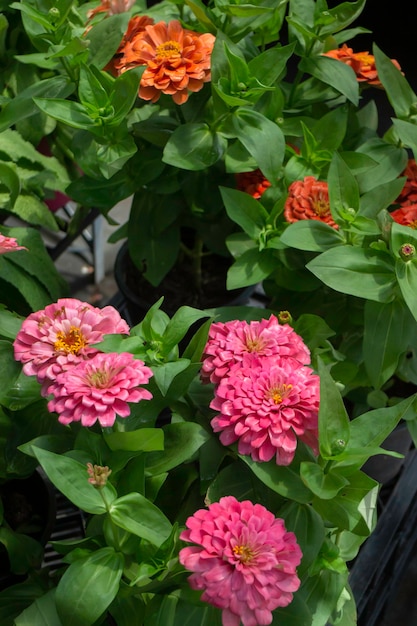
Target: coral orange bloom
x=362, y=63
x=406, y=215
x=409, y=193
x=135, y=26
x=177, y=60
x=253, y=183
x=308, y=199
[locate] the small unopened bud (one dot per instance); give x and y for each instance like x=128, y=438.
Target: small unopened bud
x=284, y=317
x=98, y=475
x=54, y=12
x=407, y=251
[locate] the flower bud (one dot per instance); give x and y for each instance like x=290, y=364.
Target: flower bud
x=98, y=475
x=407, y=251
x=284, y=317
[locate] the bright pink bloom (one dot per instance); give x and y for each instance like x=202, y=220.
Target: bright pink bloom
x=245, y=560
x=99, y=389
x=61, y=335
x=9, y=244
x=265, y=404
x=229, y=342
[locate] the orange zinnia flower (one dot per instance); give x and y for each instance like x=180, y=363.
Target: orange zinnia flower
x=135, y=26
x=177, y=60
x=406, y=215
x=308, y=199
x=253, y=183
x=362, y=63
x=409, y=193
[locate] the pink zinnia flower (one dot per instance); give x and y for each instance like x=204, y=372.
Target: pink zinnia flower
x=229, y=342
x=61, y=335
x=99, y=389
x=245, y=560
x=9, y=244
x=265, y=404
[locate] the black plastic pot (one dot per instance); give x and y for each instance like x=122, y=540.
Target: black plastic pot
x=136, y=295
x=29, y=507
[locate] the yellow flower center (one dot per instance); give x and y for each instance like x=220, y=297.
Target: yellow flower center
x=71, y=342
x=243, y=553
x=278, y=393
x=168, y=49
x=321, y=206
x=99, y=378
x=413, y=224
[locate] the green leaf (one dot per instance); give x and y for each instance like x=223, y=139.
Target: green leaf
x=250, y=268
x=71, y=113
x=194, y=147
x=22, y=106
x=285, y=480
x=334, y=73
x=71, y=478
x=9, y=367
x=179, y=325
x=139, y=516
x=164, y=375
x=308, y=527
x=245, y=211
x=311, y=235
x=41, y=612
x=343, y=188
x=407, y=132
x=334, y=429
x=362, y=273
x=402, y=98
x=386, y=338
x=324, y=485
x=182, y=440
x=88, y=587
x=10, y=179
x=31, y=210
x=24, y=552
x=105, y=37
x=268, y=65
x=262, y=138
x=144, y=439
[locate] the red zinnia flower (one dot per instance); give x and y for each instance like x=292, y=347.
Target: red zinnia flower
x=362, y=63
x=177, y=60
x=253, y=183
x=244, y=560
x=308, y=199
x=408, y=194
x=406, y=215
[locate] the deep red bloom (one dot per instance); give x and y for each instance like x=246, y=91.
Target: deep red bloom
x=308, y=199
x=253, y=183
x=406, y=215
x=244, y=560
x=408, y=194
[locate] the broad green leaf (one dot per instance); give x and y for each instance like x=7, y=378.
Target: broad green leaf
x=308, y=527
x=343, y=188
x=194, y=147
x=182, y=440
x=10, y=179
x=325, y=485
x=245, y=211
x=263, y=139
x=23, y=106
x=9, y=367
x=10, y=324
x=31, y=210
x=386, y=337
x=88, y=587
x=311, y=235
x=334, y=429
x=380, y=197
x=268, y=65
x=30, y=289
x=104, y=38
x=24, y=552
x=402, y=98
x=139, y=516
x=407, y=132
x=334, y=73
x=66, y=111
x=71, y=478
x=321, y=594
x=144, y=439
x=285, y=480
x=164, y=375
x=179, y=325
x=41, y=612
x=363, y=273
x=250, y=268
